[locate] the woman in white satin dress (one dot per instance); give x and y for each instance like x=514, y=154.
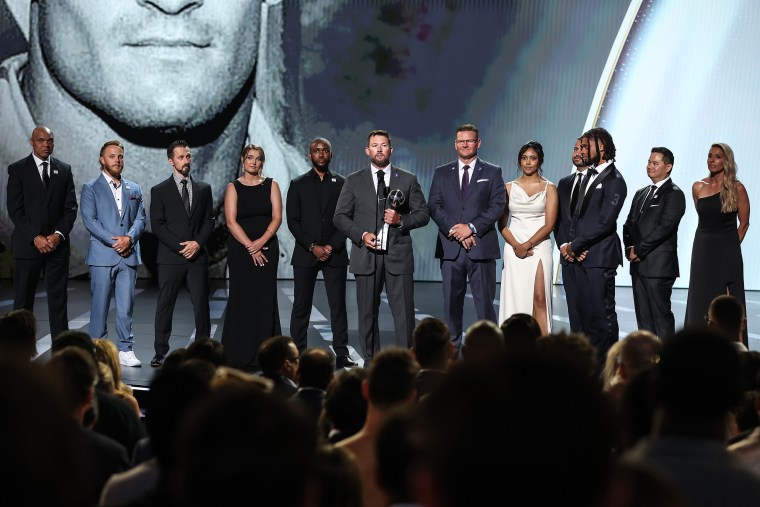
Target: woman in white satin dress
x=527, y=223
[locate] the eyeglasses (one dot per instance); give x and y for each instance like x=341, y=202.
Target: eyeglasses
x=464, y=142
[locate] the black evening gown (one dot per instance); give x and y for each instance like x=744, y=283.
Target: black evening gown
x=716, y=260
x=252, y=315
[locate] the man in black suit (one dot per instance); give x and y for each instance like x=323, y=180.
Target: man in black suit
x=650, y=236
x=591, y=251
x=310, y=206
x=182, y=218
x=42, y=204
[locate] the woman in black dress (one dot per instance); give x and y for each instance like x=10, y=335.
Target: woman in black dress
x=716, y=258
x=253, y=208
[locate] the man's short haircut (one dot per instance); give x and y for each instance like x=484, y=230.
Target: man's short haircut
x=667, y=155
x=179, y=143
x=727, y=312
x=520, y=333
x=206, y=349
x=574, y=349
x=77, y=372
x=320, y=140
x=379, y=132
x=392, y=377
x=431, y=340
x=345, y=407
x=483, y=338
x=113, y=142
x=18, y=332
x=273, y=353
x=468, y=127
x=76, y=339
x=639, y=349
x=316, y=368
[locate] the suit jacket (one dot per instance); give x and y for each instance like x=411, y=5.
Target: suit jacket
x=653, y=232
x=564, y=213
x=482, y=207
x=310, y=219
x=102, y=219
x=595, y=229
x=35, y=210
x=171, y=224
x=356, y=214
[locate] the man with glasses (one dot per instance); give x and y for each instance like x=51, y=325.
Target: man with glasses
x=466, y=199
x=278, y=357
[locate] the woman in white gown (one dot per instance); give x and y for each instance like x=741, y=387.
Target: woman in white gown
x=529, y=217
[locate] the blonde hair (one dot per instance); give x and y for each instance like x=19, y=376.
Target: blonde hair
x=244, y=153
x=106, y=353
x=729, y=197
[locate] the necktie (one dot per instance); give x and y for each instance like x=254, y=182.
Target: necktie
x=648, y=198
x=576, y=191
x=185, y=196
x=381, y=192
x=465, y=181
x=45, y=174
x=584, y=186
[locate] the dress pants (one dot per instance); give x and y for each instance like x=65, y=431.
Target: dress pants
x=171, y=278
x=117, y=281
x=304, y=280
x=651, y=298
x=26, y=273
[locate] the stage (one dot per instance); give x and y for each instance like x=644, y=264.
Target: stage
x=427, y=297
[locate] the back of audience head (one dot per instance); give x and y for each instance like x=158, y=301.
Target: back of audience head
x=226, y=376
x=345, y=407
x=520, y=333
x=431, y=344
x=335, y=479
x=397, y=450
x=77, y=373
x=107, y=353
x=208, y=350
x=240, y=446
x=18, y=335
x=637, y=407
x=573, y=348
x=698, y=379
x=316, y=368
x=638, y=350
x=480, y=444
x=611, y=371
x=72, y=338
x=273, y=354
x=726, y=314
x=174, y=358
x=482, y=340
x=392, y=377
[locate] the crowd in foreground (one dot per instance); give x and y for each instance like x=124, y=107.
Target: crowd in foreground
x=518, y=417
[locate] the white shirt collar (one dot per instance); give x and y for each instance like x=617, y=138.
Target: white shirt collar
x=39, y=161
x=462, y=164
x=659, y=184
x=110, y=180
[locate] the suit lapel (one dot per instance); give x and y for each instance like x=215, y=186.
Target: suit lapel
x=196, y=197
x=594, y=184
x=658, y=195
x=454, y=175
x=104, y=187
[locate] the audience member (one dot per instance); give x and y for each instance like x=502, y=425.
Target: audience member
x=482, y=340
x=747, y=449
x=335, y=480
x=636, y=409
x=209, y=350
x=106, y=353
x=229, y=376
x=316, y=369
x=278, y=358
x=726, y=314
x=18, y=335
x=433, y=350
x=637, y=485
x=520, y=333
x=241, y=447
x=398, y=453
x=390, y=384
x=640, y=349
x=697, y=383
x=611, y=380
x=574, y=348
x=345, y=408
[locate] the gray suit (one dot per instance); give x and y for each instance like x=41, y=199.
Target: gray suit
x=356, y=213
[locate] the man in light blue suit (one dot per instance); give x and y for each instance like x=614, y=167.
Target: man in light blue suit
x=112, y=211
x=466, y=199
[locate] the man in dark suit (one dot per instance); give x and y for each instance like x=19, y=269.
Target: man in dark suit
x=182, y=218
x=42, y=204
x=361, y=211
x=466, y=199
x=591, y=252
x=650, y=236
x=310, y=207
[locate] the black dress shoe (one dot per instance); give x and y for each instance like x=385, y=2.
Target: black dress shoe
x=157, y=360
x=344, y=362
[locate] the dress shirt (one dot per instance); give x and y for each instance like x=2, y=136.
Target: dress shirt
x=471, y=166
x=387, y=177
x=178, y=181
x=39, y=161
x=116, y=191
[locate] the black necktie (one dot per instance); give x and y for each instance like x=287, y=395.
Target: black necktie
x=465, y=181
x=648, y=199
x=185, y=196
x=381, y=192
x=45, y=175
x=590, y=172
x=576, y=190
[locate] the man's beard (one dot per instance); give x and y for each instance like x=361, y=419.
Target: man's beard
x=381, y=163
x=184, y=170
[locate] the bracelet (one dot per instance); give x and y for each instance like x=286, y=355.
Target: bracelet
x=531, y=244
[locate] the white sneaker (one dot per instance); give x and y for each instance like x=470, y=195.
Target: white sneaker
x=128, y=358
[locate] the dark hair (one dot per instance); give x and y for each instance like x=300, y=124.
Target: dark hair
x=482, y=339
x=206, y=349
x=600, y=135
x=316, y=368
x=392, y=377
x=468, y=127
x=574, y=349
x=539, y=151
x=76, y=339
x=273, y=353
x=18, y=333
x=77, y=372
x=431, y=341
x=345, y=407
x=179, y=143
x=728, y=313
x=667, y=155
x=320, y=140
x=378, y=132
x=520, y=333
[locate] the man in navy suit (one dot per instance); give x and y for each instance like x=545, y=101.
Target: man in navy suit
x=591, y=250
x=42, y=204
x=650, y=235
x=466, y=199
x=360, y=214
x=182, y=218
x=112, y=211
x=311, y=202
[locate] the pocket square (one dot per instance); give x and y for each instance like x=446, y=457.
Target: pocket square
x=135, y=198
x=599, y=185
x=481, y=181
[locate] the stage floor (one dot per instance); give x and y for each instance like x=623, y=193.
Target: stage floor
x=427, y=297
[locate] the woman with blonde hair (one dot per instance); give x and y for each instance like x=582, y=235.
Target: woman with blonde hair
x=716, y=259
x=108, y=355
